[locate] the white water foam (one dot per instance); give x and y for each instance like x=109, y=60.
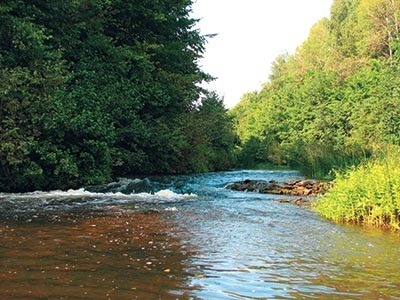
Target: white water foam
x=82, y=193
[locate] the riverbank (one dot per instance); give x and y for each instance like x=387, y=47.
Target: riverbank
x=368, y=195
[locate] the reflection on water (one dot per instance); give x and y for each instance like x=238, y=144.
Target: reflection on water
x=186, y=237
x=261, y=249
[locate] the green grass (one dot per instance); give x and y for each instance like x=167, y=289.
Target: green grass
x=368, y=194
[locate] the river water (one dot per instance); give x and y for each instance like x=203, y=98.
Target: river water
x=186, y=237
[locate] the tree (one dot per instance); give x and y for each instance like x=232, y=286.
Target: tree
x=378, y=28
x=333, y=101
x=210, y=136
x=96, y=89
x=31, y=74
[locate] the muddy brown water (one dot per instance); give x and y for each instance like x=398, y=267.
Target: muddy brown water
x=186, y=237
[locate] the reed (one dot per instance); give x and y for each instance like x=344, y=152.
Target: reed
x=318, y=160
x=368, y=194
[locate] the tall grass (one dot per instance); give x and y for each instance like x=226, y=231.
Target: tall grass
x=318, y=160
x=368, y=194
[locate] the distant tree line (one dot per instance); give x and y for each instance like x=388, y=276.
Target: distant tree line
x=94, y=89
x=336, y=100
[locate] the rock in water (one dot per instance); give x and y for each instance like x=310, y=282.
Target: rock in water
x=296, y=188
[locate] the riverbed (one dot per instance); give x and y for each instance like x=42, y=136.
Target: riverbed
x=187, y=237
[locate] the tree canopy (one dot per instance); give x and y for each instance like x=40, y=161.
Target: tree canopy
x=92, y=89
x=336, y=99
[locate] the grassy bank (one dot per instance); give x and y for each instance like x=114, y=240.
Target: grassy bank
x=368, y=194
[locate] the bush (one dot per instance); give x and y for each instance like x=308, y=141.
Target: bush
x=368, y=194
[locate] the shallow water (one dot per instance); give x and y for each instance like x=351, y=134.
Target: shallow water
x=186, y=237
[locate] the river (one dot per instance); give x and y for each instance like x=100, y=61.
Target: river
x=186, y=237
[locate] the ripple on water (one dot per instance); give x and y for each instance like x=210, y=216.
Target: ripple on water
x=186, y=238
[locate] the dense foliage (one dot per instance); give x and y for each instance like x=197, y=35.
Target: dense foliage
x=368, y=194
x=333, y=102
x=92, y=89
x=333, y=105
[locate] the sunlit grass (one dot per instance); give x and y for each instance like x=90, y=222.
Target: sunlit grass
x=368, y=194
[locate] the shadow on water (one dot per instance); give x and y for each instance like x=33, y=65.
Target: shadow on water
x=100, y=256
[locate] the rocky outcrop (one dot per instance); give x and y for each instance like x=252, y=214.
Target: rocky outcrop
x=308, y=188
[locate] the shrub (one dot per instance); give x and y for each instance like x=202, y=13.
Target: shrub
x=368, y=194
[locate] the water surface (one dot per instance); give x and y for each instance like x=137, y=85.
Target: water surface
x=186, y=237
